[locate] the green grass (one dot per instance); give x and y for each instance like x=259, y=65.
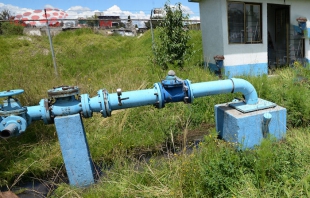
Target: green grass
x=120, y=143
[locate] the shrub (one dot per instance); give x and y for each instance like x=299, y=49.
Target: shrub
x=172, y=46
x=10, y=28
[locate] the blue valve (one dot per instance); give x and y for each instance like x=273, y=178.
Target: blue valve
x=13, y=117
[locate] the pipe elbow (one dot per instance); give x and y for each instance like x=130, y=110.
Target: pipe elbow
x=246, y=88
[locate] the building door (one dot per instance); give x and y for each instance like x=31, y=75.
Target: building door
x=278, y=35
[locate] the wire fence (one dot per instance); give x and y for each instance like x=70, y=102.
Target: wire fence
x=115, y=23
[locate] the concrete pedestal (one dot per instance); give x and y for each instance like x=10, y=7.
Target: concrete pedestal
x=75, y=150
x=247, y=129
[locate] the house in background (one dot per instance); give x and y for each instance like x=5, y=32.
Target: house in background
x=253, y=35
x=109, y=21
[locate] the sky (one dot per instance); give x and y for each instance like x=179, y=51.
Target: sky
x=137, y=9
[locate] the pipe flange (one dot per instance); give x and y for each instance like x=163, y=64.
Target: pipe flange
x=20, y=123
x=10, y=93
x=158, y=92
x=63, y=91
x=45, y=111
x=106, y=102
x=189, y=98
x=103, y=99
x=87, y=113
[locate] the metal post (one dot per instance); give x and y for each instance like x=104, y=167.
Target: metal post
x=152, y=29
x=51, y=44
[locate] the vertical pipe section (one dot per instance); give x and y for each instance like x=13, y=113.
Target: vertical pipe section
x=266, y=120
x=233, y=85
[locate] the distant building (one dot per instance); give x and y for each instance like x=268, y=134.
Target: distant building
x=109, y=21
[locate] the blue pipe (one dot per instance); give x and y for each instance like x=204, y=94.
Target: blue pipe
x=266, y=120
x=34, y=112
x=135, y=99
x=171, y=89
x=233, y=85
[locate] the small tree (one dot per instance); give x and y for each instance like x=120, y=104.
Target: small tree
x=172, y=45
x=5, y=14
x=92, y=21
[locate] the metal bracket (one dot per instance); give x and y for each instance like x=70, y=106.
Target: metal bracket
x=119, y=93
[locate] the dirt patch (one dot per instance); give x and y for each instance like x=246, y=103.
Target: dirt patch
x=195, y=134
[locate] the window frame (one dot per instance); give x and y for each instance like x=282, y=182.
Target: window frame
x=245, y=33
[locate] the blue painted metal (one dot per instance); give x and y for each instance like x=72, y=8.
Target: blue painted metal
x=64, y=107
x=219, y=62
x=74, y=148
x=13, y=126
x=245, y=129
x=302, y=25
x=245, y=108
x=64, y=100
x=136, y=99
x=11, y=93
x=174, y=89
x=233, y=85
x=13, y=120
x=297, y=29
x=266, y=120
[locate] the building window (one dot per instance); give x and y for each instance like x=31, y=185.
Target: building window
x=244, y=22
x=114, y=24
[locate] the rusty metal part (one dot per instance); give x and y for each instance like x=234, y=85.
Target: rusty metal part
x=63, y=91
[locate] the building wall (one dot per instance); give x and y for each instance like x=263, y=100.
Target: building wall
x=243, y=59
x=212, y=30
x=105, y=23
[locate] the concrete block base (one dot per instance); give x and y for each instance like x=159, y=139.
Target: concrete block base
x=247, y=129
x=74, y=148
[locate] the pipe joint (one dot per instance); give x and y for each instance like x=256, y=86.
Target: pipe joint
x=246, y=88
x=99, y=103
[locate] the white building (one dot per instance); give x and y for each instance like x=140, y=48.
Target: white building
x=254, y=34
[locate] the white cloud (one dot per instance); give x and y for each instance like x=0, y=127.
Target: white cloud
x=13, y=9
x=116, y=11
x=194, y=18
x=48, y=6
x=80, y=12
x=187, y=10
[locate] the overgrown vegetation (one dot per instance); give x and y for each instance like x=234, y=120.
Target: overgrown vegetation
x=172, y=46
x=122, y=144
x=11, y=28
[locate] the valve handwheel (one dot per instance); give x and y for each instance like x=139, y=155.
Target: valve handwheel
x=10, y=93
